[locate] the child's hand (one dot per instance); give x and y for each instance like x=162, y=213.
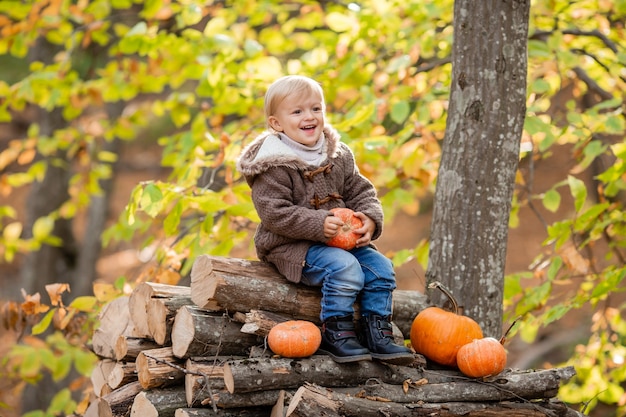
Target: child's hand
x=366, y=232
x=332, y=226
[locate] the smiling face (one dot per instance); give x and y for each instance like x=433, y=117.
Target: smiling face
x=300, y=115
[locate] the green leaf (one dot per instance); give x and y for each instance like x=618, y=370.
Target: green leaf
x=141, y=28
x=552, y=200
x=555, y=267
x=12, y=231
x=172, y=220
x=61, y=367
x=84, y=303
x=555, y=313
x=62, y=403
x=340, y=22
x=578, y=191
x=30, y=366
x=42, y=326
x=608, y=283
x=43, y=227
x=84, y=361
x=151, y=199
x=400, y=111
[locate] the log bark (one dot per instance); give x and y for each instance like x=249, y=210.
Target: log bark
x=158, y=402
x=159, y=368
x=196, y=389
x=225, y=400
x=510, y=385
x=197, y=332
x=120, y=401
x=259, y=322
x=207, y=412
x=282, y=373
x=161, y=314
x=315, y=401
x=127, y=348
x=115, y=321
x=241, y=285
x=441, y=386
x=141, y=297
x=197, y=393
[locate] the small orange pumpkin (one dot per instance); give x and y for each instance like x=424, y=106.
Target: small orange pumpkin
x=439, y=334
x=346, y=238
x=294, y=339
x=482, y=358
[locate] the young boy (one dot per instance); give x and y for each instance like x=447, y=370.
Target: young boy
x=298, y=171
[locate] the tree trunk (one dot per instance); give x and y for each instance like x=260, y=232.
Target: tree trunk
x=480, y=155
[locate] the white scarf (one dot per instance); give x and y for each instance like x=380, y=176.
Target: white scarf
x=313, y=155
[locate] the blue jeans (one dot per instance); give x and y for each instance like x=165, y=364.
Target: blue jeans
x=345, y=275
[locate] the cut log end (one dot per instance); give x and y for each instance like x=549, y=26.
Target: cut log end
x=142, y=407
x=183, y=332
x=157, y=321
x=229, y=381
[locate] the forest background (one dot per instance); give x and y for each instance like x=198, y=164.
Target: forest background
x=122, y=121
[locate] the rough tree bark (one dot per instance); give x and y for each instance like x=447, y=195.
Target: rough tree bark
x=480, y=156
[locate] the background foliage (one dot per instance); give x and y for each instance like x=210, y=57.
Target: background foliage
x=192, y=75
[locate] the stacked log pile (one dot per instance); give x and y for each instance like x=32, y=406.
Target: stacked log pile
x=200, y=351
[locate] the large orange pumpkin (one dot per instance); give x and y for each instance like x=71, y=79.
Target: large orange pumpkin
x=438, y=334
x=346, y=238
x=294, y=339
x=481, y=358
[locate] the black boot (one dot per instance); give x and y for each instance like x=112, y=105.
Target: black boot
x=378, y=335
x=340, y=342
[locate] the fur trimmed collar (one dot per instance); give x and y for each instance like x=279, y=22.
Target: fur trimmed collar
x=267, y=151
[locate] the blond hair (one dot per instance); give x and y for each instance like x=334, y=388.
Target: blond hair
x=286, y=86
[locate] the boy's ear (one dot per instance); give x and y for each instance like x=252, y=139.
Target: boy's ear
x=274, y=123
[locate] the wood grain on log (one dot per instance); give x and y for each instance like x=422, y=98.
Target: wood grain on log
x=161, y=313
x=115, y=321
x=127, y=348
x=100, y=375
x=158, y=402
x=159, y=368
x=123, y=373
x=140, y=298
x=242, y=285
x=120, y=401
x=199, y=332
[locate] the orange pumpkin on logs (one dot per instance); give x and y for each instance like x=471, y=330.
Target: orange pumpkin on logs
x=346, y=238
x=439, y=334
x=294, y=339
x=481, y=358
